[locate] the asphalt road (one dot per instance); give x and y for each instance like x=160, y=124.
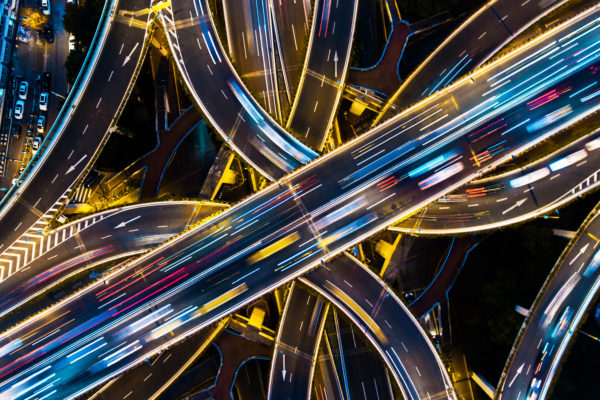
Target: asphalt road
x=96, y=239
x=297, y=344
x=387, y=323
x=493, y=202
x=324, y=73
x=292, y=20
x=150, y=379
x=291, y=226
x=558, y=310
x=250, y=34
x=86, y=125
x=469, y=46
x=217, y=89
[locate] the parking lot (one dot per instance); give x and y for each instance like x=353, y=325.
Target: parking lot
x=38, y=59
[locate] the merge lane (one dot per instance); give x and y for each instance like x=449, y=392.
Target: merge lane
x=503, y=200
x=221, y=95
x=103, y=236
x=86, y=129
x=293, y=225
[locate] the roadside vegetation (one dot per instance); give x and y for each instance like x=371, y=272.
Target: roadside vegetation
x=80, y=20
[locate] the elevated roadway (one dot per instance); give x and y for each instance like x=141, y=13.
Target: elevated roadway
x=516, y=196
x=324, y=73
x=470, y=45
x=295, y=224
x=80, y=129
x=296, y=346
x=555, y=314
x=251, y=39
x=95, y=239
x=292, y=24
x=387, y=323
x=216, y=88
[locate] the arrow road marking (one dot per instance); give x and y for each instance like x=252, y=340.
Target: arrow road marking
x=335, y=60
x=128, y=56
x=283, y=371
x=122, y=224
x=519, y=370
x=581, y=251
x=517, y=204
x=72, y=167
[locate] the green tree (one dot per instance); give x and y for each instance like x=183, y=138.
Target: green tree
x=73, y=64
x=82, y=20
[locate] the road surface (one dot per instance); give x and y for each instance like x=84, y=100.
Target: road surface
x=281, y=232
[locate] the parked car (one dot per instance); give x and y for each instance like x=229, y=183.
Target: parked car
x=72, y=43
x=72, y=2
x=43, y=103
x=19, y=108
x=41, y=124
x=23, y=88
x=46, y=7
x=49, y=33
x=35, y=145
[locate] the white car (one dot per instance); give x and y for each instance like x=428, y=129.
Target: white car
x=35, y=145
x=46, y=7
x=72, y=1
x=41, y=123
x=19, y=108
x=72, y=43
x=23, y=87
x=43, y=101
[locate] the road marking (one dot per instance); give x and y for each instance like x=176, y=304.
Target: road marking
x=223, y=93
x=128, y=56
x=54, y=178
x=316, y=104
x=72, y=167
x=70, y=154
x=294, y=35
x=122, y=224
x=517, y=204
x=84, y=129
x=110, y=76
x=98, y=104
x=209, y=70
x=121, y=49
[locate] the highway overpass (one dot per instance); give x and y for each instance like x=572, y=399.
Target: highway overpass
x=253, y=247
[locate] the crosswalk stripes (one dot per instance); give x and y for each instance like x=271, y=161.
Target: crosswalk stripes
x=37, y=241
x=81, y=195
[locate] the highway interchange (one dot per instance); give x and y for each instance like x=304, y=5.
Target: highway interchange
x=294, y=224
